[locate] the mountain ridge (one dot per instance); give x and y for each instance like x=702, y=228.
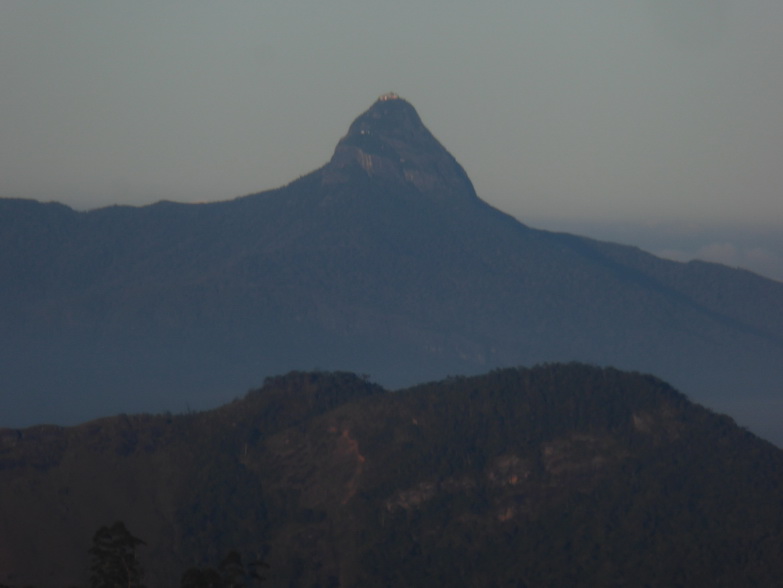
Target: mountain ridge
x=380, y=272
x=555, y=475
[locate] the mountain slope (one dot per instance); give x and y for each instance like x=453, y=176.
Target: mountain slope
x=559, y=475
x=383, y=261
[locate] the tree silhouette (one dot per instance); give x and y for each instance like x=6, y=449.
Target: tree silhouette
x=114, y=560
x=201, y=578
x=231, y=573
x=235, y=574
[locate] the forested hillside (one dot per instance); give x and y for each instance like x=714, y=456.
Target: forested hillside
x=384, y=261
x=559, y=475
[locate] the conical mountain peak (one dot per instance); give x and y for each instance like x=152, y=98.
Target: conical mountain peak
x=390, y=143
x=394, y=118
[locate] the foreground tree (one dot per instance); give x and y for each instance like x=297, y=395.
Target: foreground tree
x=231, y=573
x=235, y=574
x=114, y=560
x=201, y=578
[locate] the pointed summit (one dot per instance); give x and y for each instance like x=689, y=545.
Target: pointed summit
x=389, y=142
x=394, y=118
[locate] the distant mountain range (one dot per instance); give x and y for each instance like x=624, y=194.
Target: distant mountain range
x=560, y=475
x=384, y=261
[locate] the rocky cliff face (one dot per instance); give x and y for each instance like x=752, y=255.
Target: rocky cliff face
x=390, y=143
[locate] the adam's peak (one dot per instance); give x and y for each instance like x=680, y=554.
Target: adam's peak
x=388, y=142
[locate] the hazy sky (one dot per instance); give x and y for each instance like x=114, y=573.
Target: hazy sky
x=642, y=112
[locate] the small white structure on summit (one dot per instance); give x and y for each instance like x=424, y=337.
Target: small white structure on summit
x=389, y=96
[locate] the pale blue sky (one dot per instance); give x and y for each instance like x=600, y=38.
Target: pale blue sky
x=643, y=112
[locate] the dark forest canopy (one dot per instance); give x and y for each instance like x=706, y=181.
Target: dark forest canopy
x=558, y=475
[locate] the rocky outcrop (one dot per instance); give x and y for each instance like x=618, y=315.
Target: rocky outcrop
x=390, y=143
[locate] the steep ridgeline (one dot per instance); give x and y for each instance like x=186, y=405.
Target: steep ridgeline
x=561, y=475
x=384, y=261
